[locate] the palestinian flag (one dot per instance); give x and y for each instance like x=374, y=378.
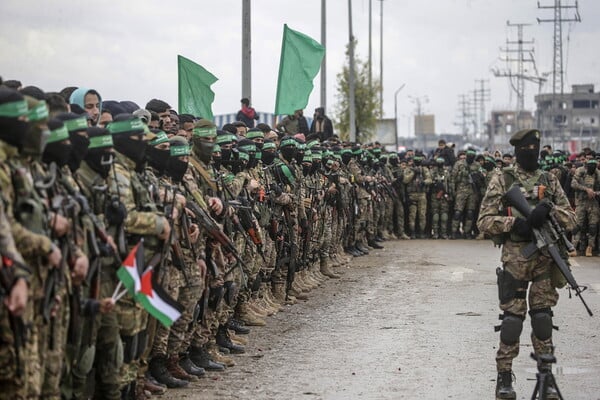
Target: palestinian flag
x=157, y=301
x=130, y=271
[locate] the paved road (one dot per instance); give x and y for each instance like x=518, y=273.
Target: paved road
x=412, y=321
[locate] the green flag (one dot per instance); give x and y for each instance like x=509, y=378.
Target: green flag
x=300, y=62
x=195, y=95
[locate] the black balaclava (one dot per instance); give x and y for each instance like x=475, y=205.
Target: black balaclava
x=528, y=158
x=288, y=153
x=80, y=148
x=346, y=157
x=57, y=152
x=268, y=157
x=203, y=149
x=591, y=167
x=470, y=157
x=12, y=131
x=176, y=168
x=157, y=158
x=417, y=161
x=225, y=154
x=132, y=149
x=100, y=160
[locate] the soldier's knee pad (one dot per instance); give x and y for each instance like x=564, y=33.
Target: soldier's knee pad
x=511, y=328
x=457, y=215
x=444, y=217
x=541, y=323
x=470, y=215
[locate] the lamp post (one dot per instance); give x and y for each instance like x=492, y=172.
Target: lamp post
x=396, y=112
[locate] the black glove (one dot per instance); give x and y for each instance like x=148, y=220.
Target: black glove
x=522, y=228
x=276, y=189
x=539, y=215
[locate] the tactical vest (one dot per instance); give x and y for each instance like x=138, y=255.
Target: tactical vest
x=589, y=181
x=535, y=189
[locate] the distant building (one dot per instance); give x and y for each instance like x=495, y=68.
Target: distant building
x=504, y=124
x=572, y=121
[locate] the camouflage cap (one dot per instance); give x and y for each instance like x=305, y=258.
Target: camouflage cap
x=530, y=135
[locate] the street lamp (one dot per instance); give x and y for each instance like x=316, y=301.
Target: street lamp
x=396, y=112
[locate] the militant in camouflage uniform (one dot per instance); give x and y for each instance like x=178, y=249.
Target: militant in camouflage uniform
x=507, y=226
x=441, y=197
x=417, y=179
x=586, y=183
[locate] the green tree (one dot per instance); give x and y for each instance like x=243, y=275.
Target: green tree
x=366, y=101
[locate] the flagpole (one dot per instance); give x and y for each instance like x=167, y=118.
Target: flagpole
x=117, y=289
x=351, y=88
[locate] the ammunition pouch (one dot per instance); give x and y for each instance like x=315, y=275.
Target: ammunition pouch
x=508, y=286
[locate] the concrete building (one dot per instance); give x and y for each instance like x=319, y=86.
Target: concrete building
x=504, y=124
x=570, y=122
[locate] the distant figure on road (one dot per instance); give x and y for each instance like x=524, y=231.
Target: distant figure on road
x=247, y=114
x=514, y=232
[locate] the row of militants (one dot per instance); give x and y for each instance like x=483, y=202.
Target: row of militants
x=228, y=225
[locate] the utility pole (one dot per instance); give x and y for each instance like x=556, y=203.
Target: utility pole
x=463, y=116
x=370, y=45
x=351, y=88
x=324, y=62
x=557, y=66
x=481, y=96
x=246, y=51
x=381, y=59
x=396, y=113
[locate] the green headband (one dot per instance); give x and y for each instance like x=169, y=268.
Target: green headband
x=14, y=109
x=288, y=142
x=179, y=151
x=160, y=138
x=592, y=161
x=471, y=152
x=130, y=126
x=76, y=124
x=58, y=135
x=243, y=156
x=254, y=134
x=207, y=132
x=225, y=139
x=268, y=146
x=39, y=112
x=100, y=141
x=440, y=160
x=251, y=148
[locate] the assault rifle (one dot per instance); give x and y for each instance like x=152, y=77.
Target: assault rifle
x=545, y=240
x=216, y=233
x=16, y=323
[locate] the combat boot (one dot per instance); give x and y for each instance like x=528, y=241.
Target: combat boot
x=201, y=358
x=268, y=295
x=153, y=386
x=361, y=247
x=224, y=340
x=300, y=284
x=278, y=289
x=310, y=279
x=296, y=294
x=504, y=389
x=325, y=270
x=158, y=369
x=242, y=341
x=237, y=327
x=588, y=251
x=257, y=310
x=372, y=243
x=177, y=372
x=333, y=262
x=214, y=353
x=188, y=366
x=249, y=317
x=403, y=236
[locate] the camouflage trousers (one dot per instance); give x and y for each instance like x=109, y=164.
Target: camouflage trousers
x=363, y=225
x=588, y=217
x=417, y=208
x=440, y=209
x=133, y=320
x=465, y=205
x=14, y=382
x=324, y=232
x=188, y=295
x=542, y=294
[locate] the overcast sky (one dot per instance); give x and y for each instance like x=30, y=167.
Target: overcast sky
x=127, y=50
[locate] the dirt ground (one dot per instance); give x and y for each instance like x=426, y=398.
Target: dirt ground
x=412, y=321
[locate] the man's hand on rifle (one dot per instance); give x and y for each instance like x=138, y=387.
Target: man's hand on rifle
x=164, y=235
x=80, y=270
x=194, y=233
x=60, y=225
x=17, y=300
x=539, y=215
x=54, y=257
x=216, y=205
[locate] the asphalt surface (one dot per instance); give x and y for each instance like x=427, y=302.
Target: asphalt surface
x=412, y=321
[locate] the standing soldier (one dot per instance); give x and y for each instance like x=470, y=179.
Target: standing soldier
x=546, y=197
x=441, y=197
x=586, y=184
x=417, y=179
x=466, y=194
